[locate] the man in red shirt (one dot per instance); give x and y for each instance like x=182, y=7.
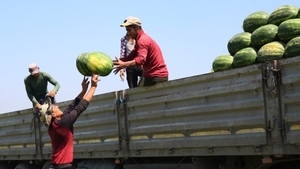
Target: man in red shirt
x=61, y=126
x=146, y=53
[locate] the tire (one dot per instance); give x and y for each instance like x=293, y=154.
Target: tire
x=5, y=166
x=25, y=166
x=96, y=164
x=46, y=165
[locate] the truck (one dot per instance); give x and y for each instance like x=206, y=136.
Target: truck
x=242, y=118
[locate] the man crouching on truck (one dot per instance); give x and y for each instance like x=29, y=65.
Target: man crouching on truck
x=61, y=126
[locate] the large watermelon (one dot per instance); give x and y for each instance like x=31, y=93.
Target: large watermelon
x=270, y=51
x=283, y=13
x=99, y=63
x=255, y=20
x=81, y=64
x=244, y=57
x=222, y=62
x=264, y=35
x=238, y=42
x=292, y=48
x=289, y=29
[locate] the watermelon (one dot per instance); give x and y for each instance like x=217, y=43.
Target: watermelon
x=283, y=13
x=238, y=42
x=81, y=64
x=264, y=35
x=255, y=20
x=288, y=30
x=292, y=48
x=99, y=63
x=270, y=51
x=222, y=62
x=244, y=57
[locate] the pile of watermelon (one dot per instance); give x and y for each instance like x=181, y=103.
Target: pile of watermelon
x=266, y=37
x=97, y=62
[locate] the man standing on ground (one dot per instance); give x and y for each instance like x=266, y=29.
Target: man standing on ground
x=146, y=53
x=61, y=127
x=36, y=86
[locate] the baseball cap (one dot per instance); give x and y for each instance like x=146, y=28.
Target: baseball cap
x=45, y=113
x=130, y=20
x=33, y=68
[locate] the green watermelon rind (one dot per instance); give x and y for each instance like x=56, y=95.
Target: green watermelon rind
x=292, y=48
x=223, y=62
x=244, y=57
x=100, y=63
x=270, y=51
x=289, y=29
x=282, y=14
x=81, y=64
x=264, y=35
x=255, y=20
x=238, y=42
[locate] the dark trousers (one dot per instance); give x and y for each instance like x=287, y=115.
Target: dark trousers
x=150, y=81
x=61, y=166
x=133, y=74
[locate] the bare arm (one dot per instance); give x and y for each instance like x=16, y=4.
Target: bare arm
x=90, y=93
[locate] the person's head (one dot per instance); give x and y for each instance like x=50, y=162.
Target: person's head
x=34, y=70
x=133, y=26
x=56, y=112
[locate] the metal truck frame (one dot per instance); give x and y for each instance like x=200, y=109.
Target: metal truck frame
x=243, y=118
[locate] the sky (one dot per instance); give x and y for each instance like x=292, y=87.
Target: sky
x=190, y=33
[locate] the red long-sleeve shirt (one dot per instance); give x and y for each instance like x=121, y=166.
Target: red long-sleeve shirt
x=61, y=132
x=146, y=52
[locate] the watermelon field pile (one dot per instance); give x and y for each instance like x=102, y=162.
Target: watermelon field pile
x=266, y=37
x=97, y=62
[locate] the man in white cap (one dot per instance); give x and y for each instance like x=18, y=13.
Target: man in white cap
x=36, y=85
x=146, y=53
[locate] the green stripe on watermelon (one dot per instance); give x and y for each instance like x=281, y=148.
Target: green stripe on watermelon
x=81, y=64
x=289, y=29
x=292, y=48
x=283, y=13
x=264, y=35
x=244, y=57
x=222, y=62
x=270, y=51
x=238, y=42
x=100, y=63
x=255, y=20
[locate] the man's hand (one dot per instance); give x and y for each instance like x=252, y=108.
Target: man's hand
x=122, y=74
x=37, y=106
x=52, y=93
x=95, y=80
x=119, y=65
x=85, y=84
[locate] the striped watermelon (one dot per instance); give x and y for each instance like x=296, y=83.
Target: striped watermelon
x=222, y=62
x=283, y=13
x=292, y=48
x=238, y=42
x=255, y=20
x=99, y=63
x=81, y=64
x=244, y=57
x=289, y=29
x=270, y=51
x=264, y=35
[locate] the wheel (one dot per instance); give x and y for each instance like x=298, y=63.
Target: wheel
x=5, y=166
x=46, y=165
x=25, y=166
x=96, y=164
